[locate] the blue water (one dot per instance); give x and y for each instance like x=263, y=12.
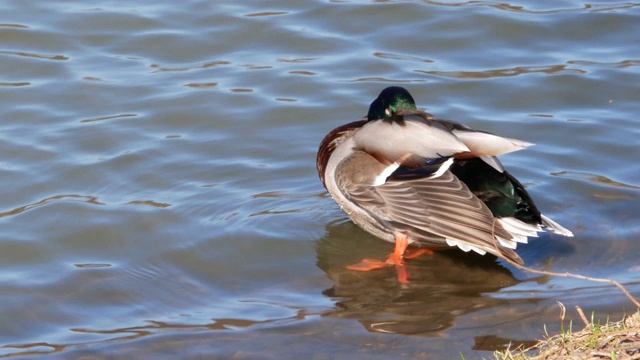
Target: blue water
x=161, y=199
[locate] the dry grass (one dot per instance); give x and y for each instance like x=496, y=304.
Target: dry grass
x=616, y=341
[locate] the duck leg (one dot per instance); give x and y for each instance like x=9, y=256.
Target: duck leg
x=395, y=259
x=414, y=253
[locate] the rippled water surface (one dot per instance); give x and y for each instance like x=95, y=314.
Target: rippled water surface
x=160, y=197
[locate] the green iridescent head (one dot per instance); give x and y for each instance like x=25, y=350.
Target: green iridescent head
x=390, y=101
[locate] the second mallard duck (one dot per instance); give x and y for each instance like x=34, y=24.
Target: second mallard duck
x=408, y=178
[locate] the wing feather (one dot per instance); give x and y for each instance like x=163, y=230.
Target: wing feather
x=434, y=211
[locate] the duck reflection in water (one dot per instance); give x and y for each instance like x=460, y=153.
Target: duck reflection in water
x=443, y=287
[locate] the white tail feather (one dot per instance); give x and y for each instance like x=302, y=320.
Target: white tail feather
x=507, y=243
x=519, y=229
x=464, y=246
x=555, y=227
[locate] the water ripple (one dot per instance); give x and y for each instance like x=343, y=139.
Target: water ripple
x=103, y=118
x=83, y=198
x=210, y=64
x=598, y=179
x=385, y=80
x=266, y=13
x=618, y=64
x=92, y=265
x=391, y=56
x=301, y=72
x=149, y=203
x=34, y=55
x=202, y=85
x=530, y=10
x=19, y=26
x=16, y=84
x=508, y=72
x=297, y=61
x=132, y=333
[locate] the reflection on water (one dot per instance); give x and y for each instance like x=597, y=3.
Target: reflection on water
x=496, y=343
x=442, y=287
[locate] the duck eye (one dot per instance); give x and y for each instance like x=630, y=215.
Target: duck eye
x=387, y=111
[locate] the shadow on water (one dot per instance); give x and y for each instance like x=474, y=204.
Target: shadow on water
x=442, y=287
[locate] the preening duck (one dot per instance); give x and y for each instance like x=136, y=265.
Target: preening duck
x=411, y=179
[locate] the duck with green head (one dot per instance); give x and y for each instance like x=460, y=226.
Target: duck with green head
x=411, y=179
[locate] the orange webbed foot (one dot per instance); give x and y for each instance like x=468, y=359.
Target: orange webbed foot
x=395, y=259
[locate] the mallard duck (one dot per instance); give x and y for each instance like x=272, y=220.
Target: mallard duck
x=411, y=179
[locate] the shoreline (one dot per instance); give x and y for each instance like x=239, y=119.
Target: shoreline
x=613, y=340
